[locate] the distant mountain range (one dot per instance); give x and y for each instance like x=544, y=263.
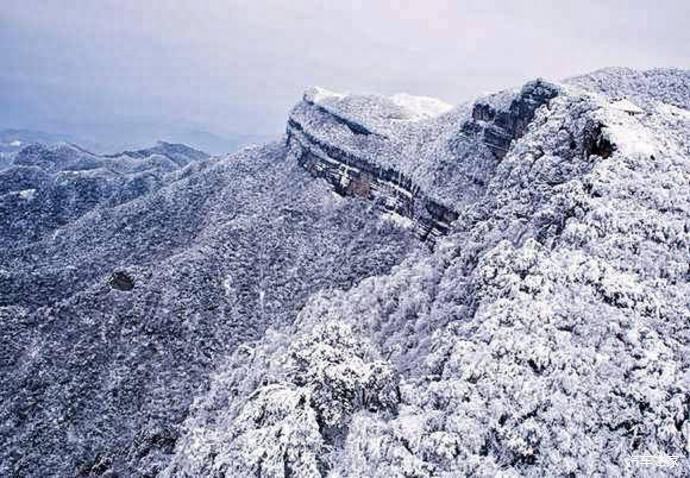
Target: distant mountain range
x=12, y=140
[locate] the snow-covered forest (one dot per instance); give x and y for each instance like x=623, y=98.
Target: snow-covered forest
x=277, y=313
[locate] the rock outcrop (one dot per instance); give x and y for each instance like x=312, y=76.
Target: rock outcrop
x=360, y=146
x=350, y=175
x=497, y=127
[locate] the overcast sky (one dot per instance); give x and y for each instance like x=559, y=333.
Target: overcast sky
x=137, y=68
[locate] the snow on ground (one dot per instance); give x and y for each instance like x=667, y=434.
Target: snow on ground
x=27, y=194
x=421, y=107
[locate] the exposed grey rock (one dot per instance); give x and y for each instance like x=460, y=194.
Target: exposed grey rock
x=497, y=127
x=120, y=280
x=596, y=143
x=353, y=176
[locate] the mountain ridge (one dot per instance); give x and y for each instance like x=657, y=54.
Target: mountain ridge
x=521, y=347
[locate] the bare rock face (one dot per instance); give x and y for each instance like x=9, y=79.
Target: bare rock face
x=120, y=280
x=347, y=141
x=361, y=146
x=350, y=175
x=596, y=142
x=497, y=127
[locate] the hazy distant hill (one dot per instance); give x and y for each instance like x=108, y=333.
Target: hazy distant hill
x=12, y=140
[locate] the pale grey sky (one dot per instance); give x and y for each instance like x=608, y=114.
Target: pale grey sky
x=132, y=71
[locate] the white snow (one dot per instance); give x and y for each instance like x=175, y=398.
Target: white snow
x=227, y=286
x=317, y=94
x=627, y=106
x=27, y=194
x=626, y=131
x=421, y=107
x=673, y=110
x=401, y=221
x=633, y=140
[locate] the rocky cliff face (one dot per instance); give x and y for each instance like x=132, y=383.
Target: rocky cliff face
x=497, y=126
x=350, y=175
x=368, y=158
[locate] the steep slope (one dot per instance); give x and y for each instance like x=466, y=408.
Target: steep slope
x=113, y=321
x=548, y=334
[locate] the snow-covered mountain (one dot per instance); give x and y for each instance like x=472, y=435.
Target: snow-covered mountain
x=397, y=288
x=45, y=187
x=12, y=140
x=125, y=280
